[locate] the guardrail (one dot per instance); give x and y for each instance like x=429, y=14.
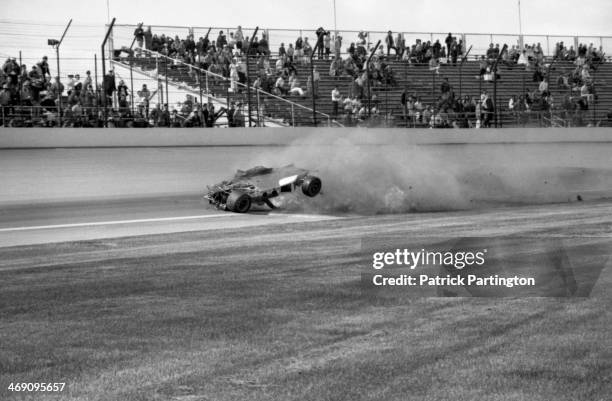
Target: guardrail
x=479, y=41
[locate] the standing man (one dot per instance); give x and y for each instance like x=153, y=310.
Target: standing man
x=148, y=38
x=327, y=42
x=390, y=44
x=145, y=98
x=139, y=35
x=449, y=42
x=320, y=46
x=5, y=103
x=108, y=84
x=335, y=94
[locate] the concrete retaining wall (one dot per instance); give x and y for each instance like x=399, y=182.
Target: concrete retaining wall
x=11, y=138
x=42, y=165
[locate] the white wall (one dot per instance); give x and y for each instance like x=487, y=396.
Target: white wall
x=154, y=137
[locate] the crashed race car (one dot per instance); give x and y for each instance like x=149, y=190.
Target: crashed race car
x=260, y=184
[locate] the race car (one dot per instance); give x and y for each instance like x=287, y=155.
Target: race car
x=260, y=184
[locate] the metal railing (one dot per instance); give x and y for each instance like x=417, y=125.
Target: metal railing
x=479, y=41
x=94, y=116
x=209, y=84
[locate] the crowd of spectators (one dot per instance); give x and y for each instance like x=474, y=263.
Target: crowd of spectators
x=370, y=71
x=33, y=97
x=225, y=54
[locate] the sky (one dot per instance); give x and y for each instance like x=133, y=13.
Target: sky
x=26, y=25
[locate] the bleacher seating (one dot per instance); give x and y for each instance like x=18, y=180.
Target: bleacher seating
x=416, y=79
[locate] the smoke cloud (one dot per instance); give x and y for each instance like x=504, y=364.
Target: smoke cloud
x=374, y=179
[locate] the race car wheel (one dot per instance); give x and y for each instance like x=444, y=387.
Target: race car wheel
x=238, y=202
x=311, y=186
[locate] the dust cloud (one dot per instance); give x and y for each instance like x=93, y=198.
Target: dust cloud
x=378, y=179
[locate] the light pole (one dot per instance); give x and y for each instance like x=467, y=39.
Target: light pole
x=56, y=44
x=520, y=26
x=335, y=26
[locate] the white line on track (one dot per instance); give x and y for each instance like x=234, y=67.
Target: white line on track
x=108, y=223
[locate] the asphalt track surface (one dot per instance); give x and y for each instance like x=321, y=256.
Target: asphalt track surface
x=88, y=220
x=33, y=226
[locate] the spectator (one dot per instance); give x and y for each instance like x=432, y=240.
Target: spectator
x=436, y=50
x=449, y=43
x=139, y=34
x=88, y=80
x=307, y=50
x=290, y=52
x=239, y=36
x=164, y=117
x=400, y=46
x=76, y=83
x=56, y=89
x=390, y=43
x=37, y=83
x=221, y=40
x=145, y=97
x=314, y=89
x=543, y=87
x=262, y=45
x=337, y=46
x=281, y=50
x=320, y=33
x=175, y=121
x=299, y=48
x=335, y=68
x=434, y=65
x=148, y=38
x=5, y=104
x=122, y=98
x=12, y=70
x=280, y=86
x=488, y=108
x=294, y=86
x=108, y=84
x=233, y=77
x=512, y=105
x=327, y=44
x=336, y=98
x=43, y=67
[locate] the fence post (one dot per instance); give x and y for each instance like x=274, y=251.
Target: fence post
x=312, y=85
x=258, y=104
x=292, y=115
x=97, y=91
x=460, y=79
x=132, y=84
x=166, y=78
x=248, y=74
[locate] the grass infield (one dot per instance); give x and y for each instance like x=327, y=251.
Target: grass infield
x=278, y=313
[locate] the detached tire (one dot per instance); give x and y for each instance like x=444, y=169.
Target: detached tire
x=311, y=186
x=238, y=202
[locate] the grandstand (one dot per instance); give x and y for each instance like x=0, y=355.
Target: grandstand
x=564, y=104
x=420, y=89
